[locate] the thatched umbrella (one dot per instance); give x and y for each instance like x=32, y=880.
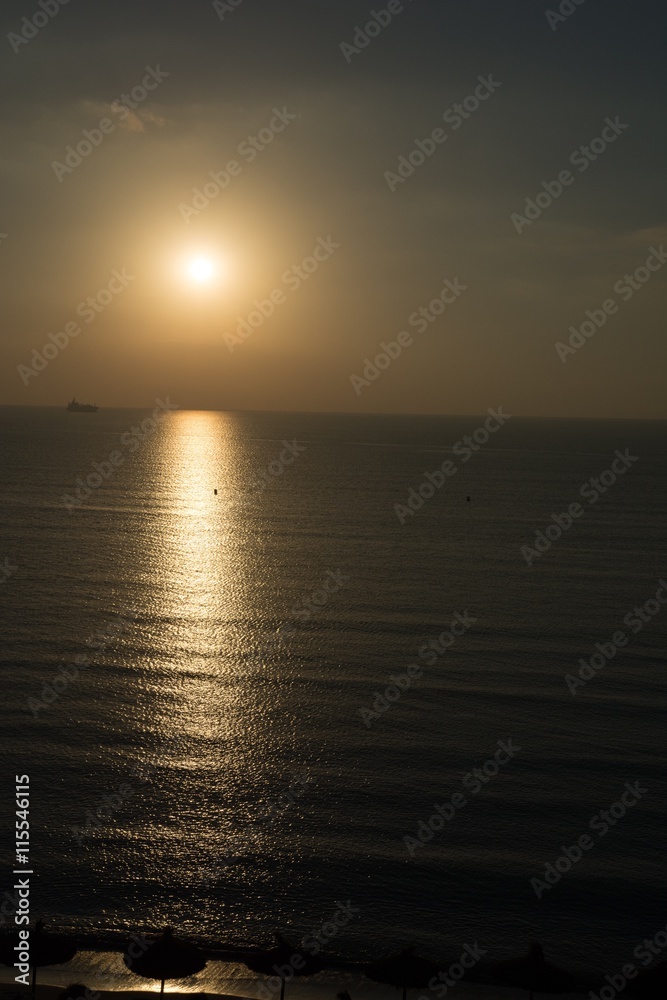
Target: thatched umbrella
x=167, y=958
x=404, y=970
x=533, y=973
x=650, y=984
x=273, y=961
x=45, y=949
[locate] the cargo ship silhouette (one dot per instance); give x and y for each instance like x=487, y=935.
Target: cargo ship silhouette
x=75, y=407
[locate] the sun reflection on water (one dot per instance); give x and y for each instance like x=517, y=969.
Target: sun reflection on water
x=205, y=702
x=200, y=579
x=196, y=552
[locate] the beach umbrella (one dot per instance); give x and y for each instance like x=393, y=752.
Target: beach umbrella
x=404, y=970
x=45, y=949
x=166, y=958
x=280, y=960
x=533, y=973
x=650, y=984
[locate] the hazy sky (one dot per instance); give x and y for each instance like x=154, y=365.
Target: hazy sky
x=314, y=117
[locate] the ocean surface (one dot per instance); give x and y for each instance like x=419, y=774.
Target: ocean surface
x=232, y=640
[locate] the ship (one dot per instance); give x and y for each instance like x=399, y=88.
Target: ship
x=75, y=407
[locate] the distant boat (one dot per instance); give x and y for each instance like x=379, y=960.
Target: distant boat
x=75, y=407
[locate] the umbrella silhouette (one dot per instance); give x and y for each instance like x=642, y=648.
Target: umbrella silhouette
x=405, y=970
x=276, y=961
x=651, y=984
x=45, y=949
x=167, y=958
x=533, y=973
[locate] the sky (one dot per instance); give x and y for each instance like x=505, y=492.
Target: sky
x=246, y=204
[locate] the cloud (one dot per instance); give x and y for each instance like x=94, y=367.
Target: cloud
x=137, y=121
x=130, y=121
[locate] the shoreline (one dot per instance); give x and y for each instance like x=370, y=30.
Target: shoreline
x=305, y=989
x=106, y=976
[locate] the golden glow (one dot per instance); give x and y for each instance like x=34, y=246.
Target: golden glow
x=197, y=556
x=207, y=596
x=202, y=270
x=202, y=267
x=197, y=559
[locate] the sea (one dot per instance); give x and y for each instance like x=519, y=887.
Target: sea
x=369, y=681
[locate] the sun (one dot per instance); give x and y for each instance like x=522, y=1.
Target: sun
x=201, y=270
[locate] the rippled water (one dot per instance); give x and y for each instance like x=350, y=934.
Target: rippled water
x=217, y=682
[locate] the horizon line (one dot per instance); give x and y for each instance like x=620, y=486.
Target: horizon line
x=342, y=413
